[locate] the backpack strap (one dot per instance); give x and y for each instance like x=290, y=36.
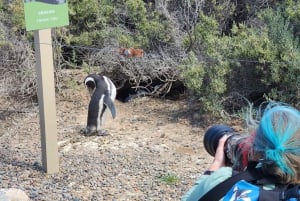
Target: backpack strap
x=267, y=195
x=216, y=193
x=292, y=192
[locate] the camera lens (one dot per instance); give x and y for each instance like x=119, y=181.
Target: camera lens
x=212, y=136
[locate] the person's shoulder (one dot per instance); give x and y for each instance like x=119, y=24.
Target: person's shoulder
x=206, y=182
x=222, y=173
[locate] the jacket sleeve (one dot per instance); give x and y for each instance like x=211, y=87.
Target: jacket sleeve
x=207, y=182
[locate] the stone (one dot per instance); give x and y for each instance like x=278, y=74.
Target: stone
x=13, y=194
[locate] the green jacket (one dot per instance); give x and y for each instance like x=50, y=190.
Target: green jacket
x=206, y=182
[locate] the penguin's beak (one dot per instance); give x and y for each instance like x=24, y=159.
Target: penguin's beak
x=91, y=91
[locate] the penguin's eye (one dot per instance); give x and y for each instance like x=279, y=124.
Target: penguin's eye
x=90, y=84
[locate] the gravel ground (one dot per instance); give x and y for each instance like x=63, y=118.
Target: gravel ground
x=152, y=152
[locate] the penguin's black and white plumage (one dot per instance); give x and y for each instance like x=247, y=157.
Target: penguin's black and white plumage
x=103, y=94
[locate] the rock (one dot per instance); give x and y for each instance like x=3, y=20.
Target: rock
x=13, y=194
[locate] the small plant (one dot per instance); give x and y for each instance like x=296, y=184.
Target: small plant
x=72, y=84
x=168, y=179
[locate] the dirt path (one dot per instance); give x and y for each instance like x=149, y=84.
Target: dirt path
x=152, y=152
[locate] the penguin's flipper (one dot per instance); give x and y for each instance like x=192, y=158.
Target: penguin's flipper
x=110, y=104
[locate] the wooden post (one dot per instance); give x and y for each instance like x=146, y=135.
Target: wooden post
x=46, y=99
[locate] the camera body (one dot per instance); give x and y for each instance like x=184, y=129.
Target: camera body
x=235, y=148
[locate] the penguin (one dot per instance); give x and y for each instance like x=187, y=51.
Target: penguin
x=103, y=94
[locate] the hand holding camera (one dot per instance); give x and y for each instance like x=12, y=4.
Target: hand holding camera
x=219, y=157
x=228, y=147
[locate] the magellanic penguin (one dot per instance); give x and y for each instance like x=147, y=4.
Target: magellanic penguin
x=103, y=95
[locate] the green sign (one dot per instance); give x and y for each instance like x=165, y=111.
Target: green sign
x=43, y=14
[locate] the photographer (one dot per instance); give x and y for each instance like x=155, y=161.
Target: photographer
x=274, y=144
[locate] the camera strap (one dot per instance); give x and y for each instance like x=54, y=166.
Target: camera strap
x=216, y=193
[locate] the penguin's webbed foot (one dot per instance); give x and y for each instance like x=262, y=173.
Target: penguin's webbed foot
x=102, y=133
x=87, y=131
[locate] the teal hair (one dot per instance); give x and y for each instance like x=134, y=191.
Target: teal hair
x=275, y=135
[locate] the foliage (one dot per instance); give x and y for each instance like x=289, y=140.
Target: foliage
x=291, y=11
x=16, y=67
x=86, y=19
x=216, y=48
x=284, y=72
x=193, y=72
x=169, y=179
x=208, y=78
x=13, y=14
x=128, y=22
x=260, y=60
x=250, y=53
x=223, y=11
x=150, y=28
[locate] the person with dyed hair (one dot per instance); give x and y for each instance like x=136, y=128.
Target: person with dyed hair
x=277, y=143
x=274, y=140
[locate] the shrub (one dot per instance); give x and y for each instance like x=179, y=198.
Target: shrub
x=17, y=73
x=284, y=71
x=207, y=77
x=257, y=62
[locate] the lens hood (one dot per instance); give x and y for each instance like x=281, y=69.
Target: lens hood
x=212, y=136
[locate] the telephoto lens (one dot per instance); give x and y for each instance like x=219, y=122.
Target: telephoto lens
x=236, y=147
x=212, y=136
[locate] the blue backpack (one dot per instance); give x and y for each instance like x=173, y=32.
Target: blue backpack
x=247, y=186
x=242, y=191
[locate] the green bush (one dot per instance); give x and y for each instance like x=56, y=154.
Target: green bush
x=251, y=60
x=232, y=47
x=152, y=28
x=284, y=71
x=249, y=54
x=193, y=72
x=207, y=78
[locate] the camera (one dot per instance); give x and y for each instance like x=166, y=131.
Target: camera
x=235, y=147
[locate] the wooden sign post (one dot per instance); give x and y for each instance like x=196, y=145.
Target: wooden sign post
x=46, y=96
x=41, y=15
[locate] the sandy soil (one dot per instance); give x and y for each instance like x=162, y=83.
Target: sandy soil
x=153, y=149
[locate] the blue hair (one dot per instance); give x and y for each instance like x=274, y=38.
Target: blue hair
x=275, y=134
